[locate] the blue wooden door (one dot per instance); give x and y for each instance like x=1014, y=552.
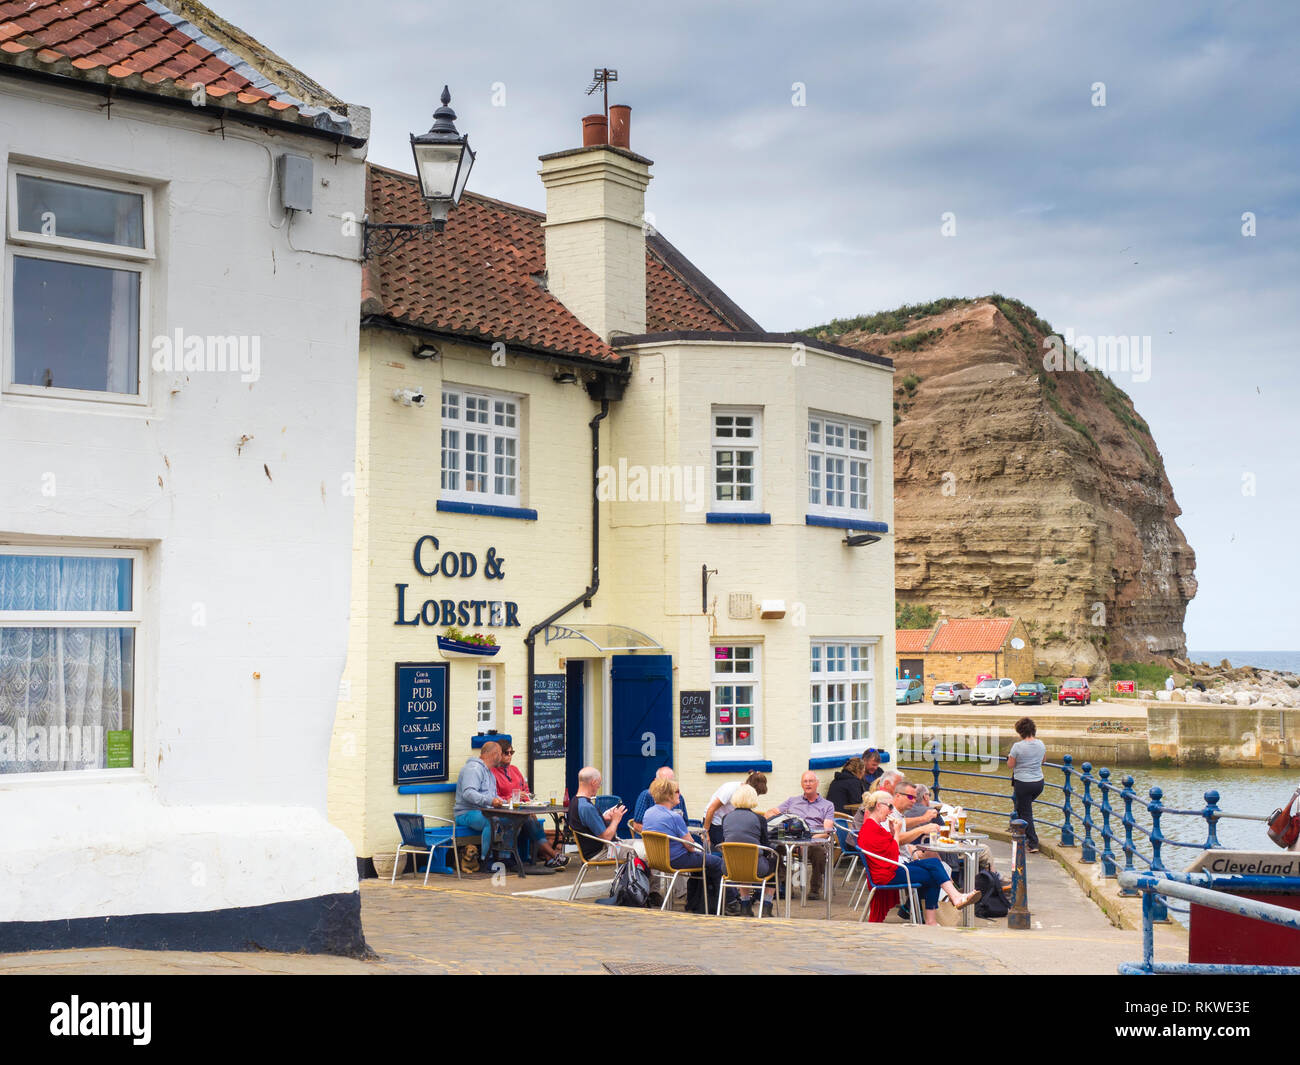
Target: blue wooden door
x=641, y=725
x=574, y=737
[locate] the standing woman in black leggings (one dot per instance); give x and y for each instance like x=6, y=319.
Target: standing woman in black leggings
x=1025, y=760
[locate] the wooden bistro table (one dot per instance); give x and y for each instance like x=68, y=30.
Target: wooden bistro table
x=510, y=819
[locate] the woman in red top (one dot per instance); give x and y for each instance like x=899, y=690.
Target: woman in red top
x=509, y=780
x=928, y=875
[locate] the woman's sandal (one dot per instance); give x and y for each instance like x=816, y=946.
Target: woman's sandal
x=973, y=897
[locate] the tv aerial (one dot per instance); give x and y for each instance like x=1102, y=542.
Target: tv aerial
x=600, y=79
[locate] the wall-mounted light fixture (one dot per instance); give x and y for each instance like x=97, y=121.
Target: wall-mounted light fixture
x=425, y=351
x=861, y=540
x=443, y=160
x=565, y=377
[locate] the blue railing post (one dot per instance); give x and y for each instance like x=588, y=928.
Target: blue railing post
x=1067, y=833
x=1107, y=855
x=1128, y=795
x=1150, y=902
x=1211, y=815
x=1158, y=907
x=1088, y=854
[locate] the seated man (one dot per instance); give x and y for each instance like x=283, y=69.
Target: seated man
x=510, y=780
x=720, y=805
x=910, y=827
x=476, y=791
x=819, y=815
x=663, y=817
x=585, y=818
x=646, y=800
x=871, y=760
x=923, y=803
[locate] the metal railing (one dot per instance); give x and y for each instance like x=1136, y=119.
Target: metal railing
x=1201, y=889
x=1100, y=807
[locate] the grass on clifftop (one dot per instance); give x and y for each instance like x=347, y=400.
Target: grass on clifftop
x=887, y=321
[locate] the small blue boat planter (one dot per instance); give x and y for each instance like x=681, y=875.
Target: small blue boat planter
x=461, y=649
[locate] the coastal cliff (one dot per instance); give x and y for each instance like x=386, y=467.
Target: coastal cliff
x=1024, y=491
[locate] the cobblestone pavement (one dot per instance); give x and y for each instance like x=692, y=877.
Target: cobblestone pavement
x=474, y=925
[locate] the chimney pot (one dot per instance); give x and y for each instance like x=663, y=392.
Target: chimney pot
x=595, y=129
x=620, y=123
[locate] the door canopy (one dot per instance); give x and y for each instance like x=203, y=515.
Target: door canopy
x=605, y=638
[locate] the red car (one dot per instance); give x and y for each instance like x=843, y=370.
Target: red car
x=1074, y=690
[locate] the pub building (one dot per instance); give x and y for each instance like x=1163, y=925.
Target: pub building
x=673, y=527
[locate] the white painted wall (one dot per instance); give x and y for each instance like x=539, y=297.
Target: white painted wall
x=226, y=806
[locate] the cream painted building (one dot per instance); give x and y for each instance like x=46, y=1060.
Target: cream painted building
x=648, y=501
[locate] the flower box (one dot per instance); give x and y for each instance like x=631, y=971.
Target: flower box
x=462, y=649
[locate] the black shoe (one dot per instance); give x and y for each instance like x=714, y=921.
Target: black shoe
x=734, y=908
x=747, y=908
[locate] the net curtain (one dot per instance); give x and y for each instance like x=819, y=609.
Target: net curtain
x=72, y=682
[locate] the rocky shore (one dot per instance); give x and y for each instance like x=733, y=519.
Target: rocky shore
x=1228, y=685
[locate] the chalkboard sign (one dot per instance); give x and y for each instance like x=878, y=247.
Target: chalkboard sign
x=548, y=715
x=694, y=714
x=420, y=723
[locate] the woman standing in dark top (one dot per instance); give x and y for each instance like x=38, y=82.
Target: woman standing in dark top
x=1025, y=760
x=847, y=787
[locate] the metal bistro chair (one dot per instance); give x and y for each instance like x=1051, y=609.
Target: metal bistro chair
x=913, y=907
x=616, y=850
x=848, y=847
x=417, y=839
x=658, y=858
x=740, y=869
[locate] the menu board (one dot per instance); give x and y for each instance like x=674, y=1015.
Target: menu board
x=548, y=715
x=420, y=723
x=694, y=714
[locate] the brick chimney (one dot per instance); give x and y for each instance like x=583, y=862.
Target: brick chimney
x=595, y=241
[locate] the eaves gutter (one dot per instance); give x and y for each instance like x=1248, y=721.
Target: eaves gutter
x=111, y=92
x=621, y=369
x=778, y=339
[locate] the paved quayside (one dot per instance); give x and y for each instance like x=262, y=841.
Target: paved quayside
x=449, y=928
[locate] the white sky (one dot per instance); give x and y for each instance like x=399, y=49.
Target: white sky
x=1115, y=220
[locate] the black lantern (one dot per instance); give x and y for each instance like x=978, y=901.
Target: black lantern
x=443, y=160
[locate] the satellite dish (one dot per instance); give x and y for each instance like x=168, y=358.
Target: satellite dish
x=1018, y=643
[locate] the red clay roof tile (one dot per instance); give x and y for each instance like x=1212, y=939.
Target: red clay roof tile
x=962, y=635
x=482, y=277
x=129, y=38
x=910, y=641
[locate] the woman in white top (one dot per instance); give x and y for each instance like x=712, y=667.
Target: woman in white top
x=1025, y=760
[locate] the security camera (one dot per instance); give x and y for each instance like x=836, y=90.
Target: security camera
x=409, y=397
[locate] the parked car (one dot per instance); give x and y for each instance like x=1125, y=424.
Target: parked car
x=908, y=690
x=1074, y=690
x=1034, y=694
x=956, y=693
x=992, y=691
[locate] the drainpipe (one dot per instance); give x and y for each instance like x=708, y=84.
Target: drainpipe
x=585, y=598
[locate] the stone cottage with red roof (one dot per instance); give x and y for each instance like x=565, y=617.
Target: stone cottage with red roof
x=961, y=649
